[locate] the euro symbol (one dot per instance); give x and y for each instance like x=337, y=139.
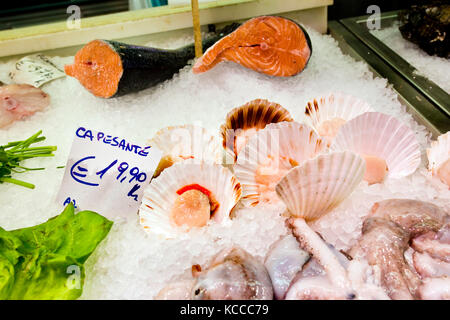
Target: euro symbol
x=77, y=172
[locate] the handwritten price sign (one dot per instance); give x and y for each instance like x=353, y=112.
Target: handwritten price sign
x=107, y=173
x=35, y=70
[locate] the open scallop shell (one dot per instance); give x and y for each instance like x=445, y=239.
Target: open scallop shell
x=383, y=136
x=184, y=142
x=334, y=107
x=287, y=144
x=159, y=197
x=255, y=115
x=439, y=155
x=320, y=184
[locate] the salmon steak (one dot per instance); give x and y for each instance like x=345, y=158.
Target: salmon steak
x=272, y=45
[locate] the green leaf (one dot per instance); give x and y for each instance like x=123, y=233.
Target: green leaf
x=49, y=235
x=69, y=234
x=9, y=245
x=6, y=277
x=46, y=261
x=87, y=229
x=44, y=276
x=9, y=256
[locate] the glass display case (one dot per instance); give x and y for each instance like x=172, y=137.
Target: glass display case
x=421, y=77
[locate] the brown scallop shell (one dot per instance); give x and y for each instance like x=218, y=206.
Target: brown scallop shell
x=254, y=114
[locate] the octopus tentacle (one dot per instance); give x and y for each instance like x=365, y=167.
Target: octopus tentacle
x=386, y=235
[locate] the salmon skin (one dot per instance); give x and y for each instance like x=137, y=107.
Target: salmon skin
x=112, y=69
x=272, y=45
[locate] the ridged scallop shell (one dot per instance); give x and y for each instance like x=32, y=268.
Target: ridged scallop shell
x=439, y=152
x=183, y=142
x=254, y=114
x=289, y=142
x=334, y=106
x=320, y=184
x=159, y=197
x=383, y=136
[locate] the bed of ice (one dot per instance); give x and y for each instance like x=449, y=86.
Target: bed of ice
x=434, y=68
x=131, y=264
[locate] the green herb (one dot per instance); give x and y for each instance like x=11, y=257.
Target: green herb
x=47, y=261
x=15, y=152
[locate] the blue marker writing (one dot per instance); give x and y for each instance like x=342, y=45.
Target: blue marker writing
x=132, y=192
x=84, y=133
x=76, y=175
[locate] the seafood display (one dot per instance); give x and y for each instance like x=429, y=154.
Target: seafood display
x=279, y=188
x=328, y=113
x=386, y=235
x=184, y=142
x=244, y=121
x=272, y=45
x=389, y=148
x=233, y=275
x=111, y=69
x=290, y=161
x=313, y=189
x=189, y=195
x=269, y=155
x=312, y=283
x=284, y=261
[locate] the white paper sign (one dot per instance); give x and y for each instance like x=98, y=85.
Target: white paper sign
x=35, y=70
x=107, y=173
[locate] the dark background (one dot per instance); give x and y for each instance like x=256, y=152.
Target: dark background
x=28, y=12
x=352, y=8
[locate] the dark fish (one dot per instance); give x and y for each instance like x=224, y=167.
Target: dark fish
x=428, y=25
x=112, y=69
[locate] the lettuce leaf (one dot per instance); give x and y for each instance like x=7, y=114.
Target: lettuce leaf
x=6, y=277
x=45, y=276
x=46, y=261
x=9, y=256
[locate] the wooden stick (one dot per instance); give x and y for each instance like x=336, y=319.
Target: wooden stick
x=197, y=31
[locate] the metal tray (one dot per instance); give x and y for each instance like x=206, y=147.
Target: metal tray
x=424, y=99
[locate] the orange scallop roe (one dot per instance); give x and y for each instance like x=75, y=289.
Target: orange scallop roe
x=191, y=208
x=443, y=172
x=329, y=128
x=269, y=173
x=376, y=169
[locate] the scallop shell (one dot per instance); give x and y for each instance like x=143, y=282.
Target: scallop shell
x=319, y=185
x=290, y=142
x=179, y=143
x=383, y=136
x=160, y=195
x=334, y=106
x=439, y=152
x=254, y=114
